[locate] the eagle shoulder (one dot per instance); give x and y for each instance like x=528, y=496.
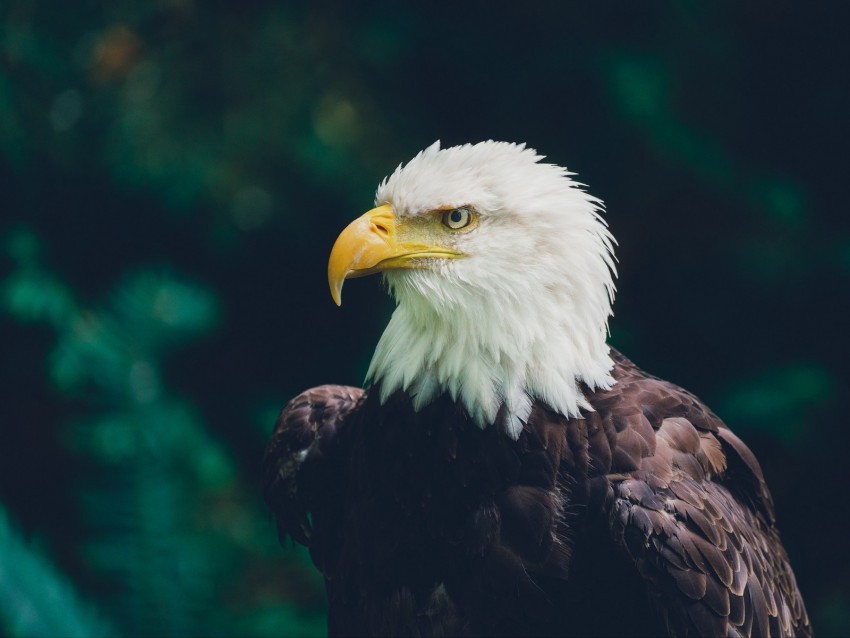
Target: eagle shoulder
x=687, y=503
x=297, y=467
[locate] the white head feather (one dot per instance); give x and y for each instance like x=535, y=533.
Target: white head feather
x=524, y=316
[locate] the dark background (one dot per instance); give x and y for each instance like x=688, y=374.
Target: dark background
x=173, y=176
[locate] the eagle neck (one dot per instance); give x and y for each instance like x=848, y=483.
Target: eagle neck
x=495, y=355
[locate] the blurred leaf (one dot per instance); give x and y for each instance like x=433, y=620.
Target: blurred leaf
x=641, y=87
x=155, y=306
x=23, y=246
x=780, y=401
x=784, y=200
x=30, y=294
x=35, y=599
x=282, y=620
x=34, y=296
x=831, y=617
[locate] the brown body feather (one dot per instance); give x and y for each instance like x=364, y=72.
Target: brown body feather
x=647, y=516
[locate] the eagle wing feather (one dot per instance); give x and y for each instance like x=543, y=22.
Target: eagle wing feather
x=418, y=520
x=695, y=516
x=298, y=476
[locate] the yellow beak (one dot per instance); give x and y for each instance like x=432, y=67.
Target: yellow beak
x=376, y=241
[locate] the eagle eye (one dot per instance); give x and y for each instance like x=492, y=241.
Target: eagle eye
x=457, y=218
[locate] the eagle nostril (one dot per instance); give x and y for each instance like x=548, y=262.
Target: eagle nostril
x=381, y=229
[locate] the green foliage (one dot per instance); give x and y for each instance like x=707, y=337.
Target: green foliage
x=167, y=515
x=29, y=293
x=785, y=402
x=35, y=599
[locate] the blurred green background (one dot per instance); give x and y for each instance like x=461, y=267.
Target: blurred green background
x=174, y=173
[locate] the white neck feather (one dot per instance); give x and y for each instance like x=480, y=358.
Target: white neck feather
x=494, y=353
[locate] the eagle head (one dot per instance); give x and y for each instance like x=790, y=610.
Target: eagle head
x=503, y=273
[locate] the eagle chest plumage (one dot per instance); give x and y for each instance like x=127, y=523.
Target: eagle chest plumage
x=643, y=517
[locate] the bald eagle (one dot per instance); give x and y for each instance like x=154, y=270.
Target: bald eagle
x=505, y=471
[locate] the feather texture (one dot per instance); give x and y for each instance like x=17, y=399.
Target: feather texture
x=646, y=515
